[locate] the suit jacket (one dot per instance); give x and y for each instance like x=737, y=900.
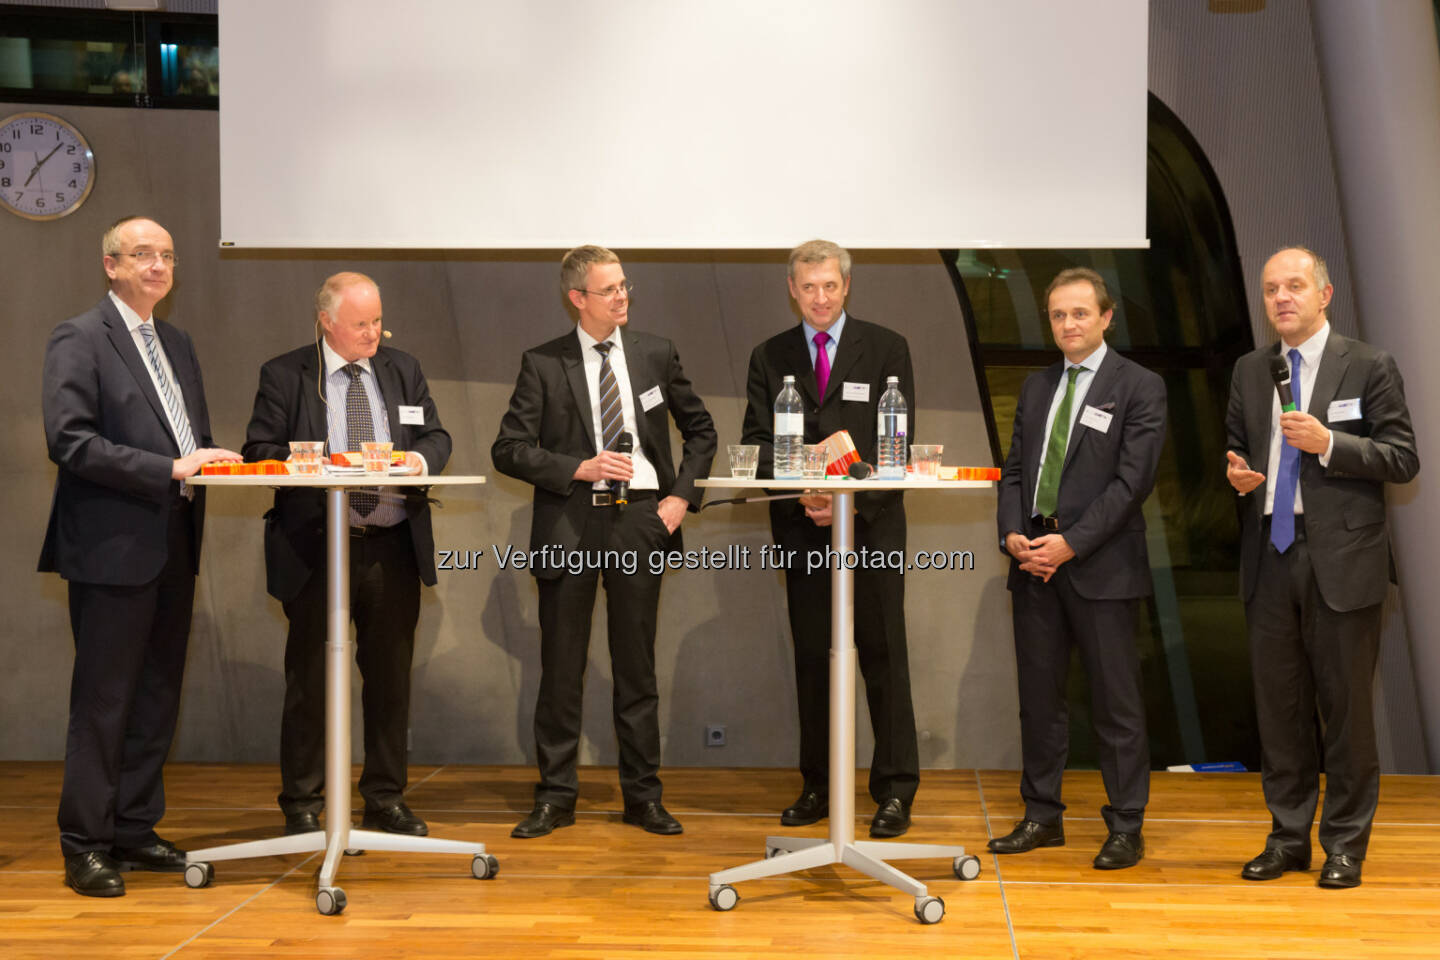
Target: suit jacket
x=1106, y=477
x=868, y=354
x=288, y=407
x=106, y=429
x=549, y=429
x=1344, y=502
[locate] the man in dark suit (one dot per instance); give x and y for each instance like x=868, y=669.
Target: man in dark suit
x=126, y=422
x=344, y=389
x=575, y=398
x=1315, y=562
x=853, y=359
x=1087, y=440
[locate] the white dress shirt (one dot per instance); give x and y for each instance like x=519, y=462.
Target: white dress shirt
x=645, y=477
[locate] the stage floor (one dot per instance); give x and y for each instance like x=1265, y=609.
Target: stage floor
x=602, y=889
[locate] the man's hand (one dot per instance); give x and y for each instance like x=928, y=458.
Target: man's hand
x=189, y=466
x=1238, y=472
x=817, y=508
x=1304, y=432
x=1016, y=544
x=1043, y=556
x=607, y=465
x=414, y=466
x=672, y=511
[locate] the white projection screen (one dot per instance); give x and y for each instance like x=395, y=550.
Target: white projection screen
x=519, y=124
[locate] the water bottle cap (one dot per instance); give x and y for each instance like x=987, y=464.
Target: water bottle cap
x=892, y=380
x=789, y=378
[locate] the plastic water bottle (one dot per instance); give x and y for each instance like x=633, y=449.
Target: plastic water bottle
x=789, y=433
x=891, y=427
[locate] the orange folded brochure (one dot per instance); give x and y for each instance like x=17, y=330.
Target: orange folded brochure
x=970, y=473
x=840, y=452
x=261, y=468
x=354, y=458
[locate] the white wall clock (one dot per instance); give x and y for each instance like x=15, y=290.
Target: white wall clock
x=46, y=167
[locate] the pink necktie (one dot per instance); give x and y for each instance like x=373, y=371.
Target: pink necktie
x=822, y=363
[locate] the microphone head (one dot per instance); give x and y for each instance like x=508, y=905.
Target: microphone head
x=860, y=470
x=1279, y=369
x=385, y=334
x=625, y=443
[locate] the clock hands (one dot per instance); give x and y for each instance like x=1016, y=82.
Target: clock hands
x=40, y=163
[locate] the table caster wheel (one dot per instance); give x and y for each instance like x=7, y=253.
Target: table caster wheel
x=354, y=852
x=929, y=909
x=967, y=867
x=484, y=866
x=724, y=898
x=772, y=852
x=198, y=875
x=330, y=901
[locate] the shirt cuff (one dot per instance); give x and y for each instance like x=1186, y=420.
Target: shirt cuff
x=1329, y=449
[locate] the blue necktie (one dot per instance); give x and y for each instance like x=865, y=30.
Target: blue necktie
x=1282, y=515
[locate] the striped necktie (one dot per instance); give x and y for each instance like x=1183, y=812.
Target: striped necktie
x=174, y=409
x=612, y=412
x=359, y=428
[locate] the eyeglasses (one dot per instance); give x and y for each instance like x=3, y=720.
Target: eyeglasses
x=610, y=293
x=146, y=257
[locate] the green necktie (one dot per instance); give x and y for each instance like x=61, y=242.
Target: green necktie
x=1048, y=493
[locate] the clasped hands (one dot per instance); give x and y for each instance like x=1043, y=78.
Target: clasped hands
x=609, y=465
x=1039, y=556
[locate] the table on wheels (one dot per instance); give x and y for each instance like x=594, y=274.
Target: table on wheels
x=337, y=837
x=790, y=854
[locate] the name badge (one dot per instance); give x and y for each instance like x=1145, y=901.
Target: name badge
x=411, y=415
x=855, y=391
x=1096, y=419
x=651, y=399
x=1343, y=410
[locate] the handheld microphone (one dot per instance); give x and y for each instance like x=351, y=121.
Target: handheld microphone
x=385, y=334
x=623, y=444
x=1280, y=373
x=861, y=470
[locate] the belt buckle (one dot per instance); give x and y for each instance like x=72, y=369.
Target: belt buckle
x=1051, y=523
x=600, y=499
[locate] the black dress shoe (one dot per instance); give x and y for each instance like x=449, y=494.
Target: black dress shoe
x=1274, y=862
x=542, y=820
x=1027, y=835
x=1340, y=871
x=1120, y=850
x=302, y=822
x=396, y=818
x=810, y=808
x=652, y=817
x=891, y=819
x=94, y=874
x=160, y=856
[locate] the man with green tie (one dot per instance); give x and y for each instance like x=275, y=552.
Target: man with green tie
x=1087, y=440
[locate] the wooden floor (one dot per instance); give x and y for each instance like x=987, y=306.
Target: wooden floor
x=601, y=889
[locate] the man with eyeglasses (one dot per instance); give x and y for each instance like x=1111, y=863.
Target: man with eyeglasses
x=126, y=423
x=576, y=399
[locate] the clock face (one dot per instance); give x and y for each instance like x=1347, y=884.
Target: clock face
x=46, y=167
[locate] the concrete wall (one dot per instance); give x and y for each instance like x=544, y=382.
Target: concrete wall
x=723, y=651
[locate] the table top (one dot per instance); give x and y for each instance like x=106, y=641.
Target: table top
x=332, y=481
x=841, y=484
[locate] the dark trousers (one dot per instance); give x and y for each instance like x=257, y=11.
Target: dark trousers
x=566, y=603
x=1050, y=619
x=884, y=663
x=124, y=699
x=385, y=606
x=1306, y=656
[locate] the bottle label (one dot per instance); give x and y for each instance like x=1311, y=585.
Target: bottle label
x=901, y=426
x=789, y=424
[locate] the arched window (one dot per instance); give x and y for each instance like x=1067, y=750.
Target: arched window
x=1181, y=311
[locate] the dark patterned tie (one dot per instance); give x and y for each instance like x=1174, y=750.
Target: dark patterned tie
x=359, y=428
x=1282, y=515
x=174, y=409
x=612, y=412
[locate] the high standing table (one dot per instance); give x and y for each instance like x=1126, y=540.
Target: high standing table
x=790, y=854
x=337, y=837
